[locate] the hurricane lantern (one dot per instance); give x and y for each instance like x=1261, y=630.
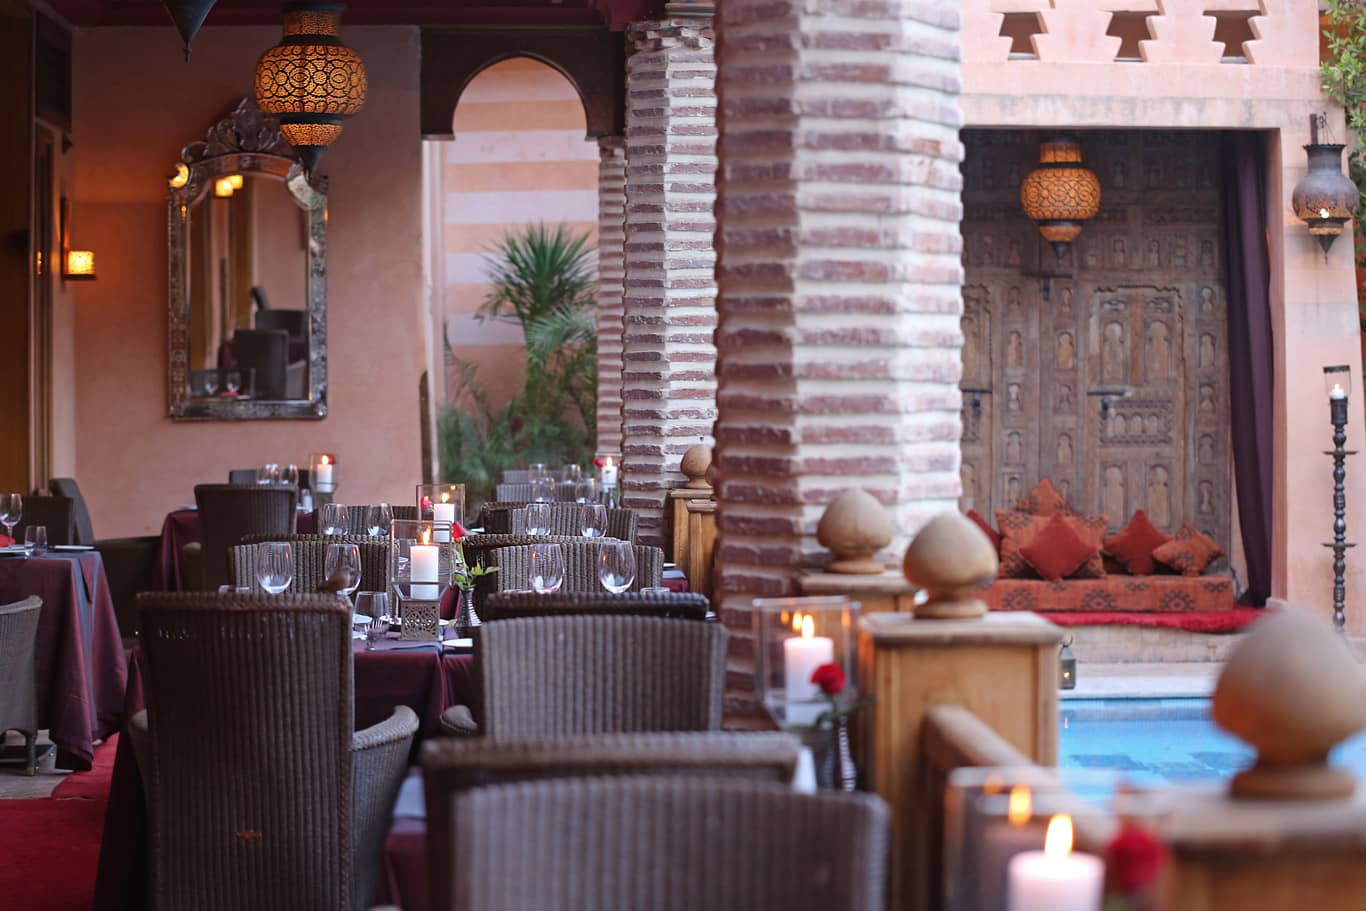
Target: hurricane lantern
x=1061, y=193
x=311, y=82
x=1067, y=667
x=188, y=16
x=1325, y=199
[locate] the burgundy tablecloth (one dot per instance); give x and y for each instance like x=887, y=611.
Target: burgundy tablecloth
x=394, y=674
x=180, y=528
x=80, y=667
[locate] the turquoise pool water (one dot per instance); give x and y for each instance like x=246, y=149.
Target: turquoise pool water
x=1162, y=741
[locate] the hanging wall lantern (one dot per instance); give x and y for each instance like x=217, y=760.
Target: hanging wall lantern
x=188, y=16
x=1061, y=193
x=310, y=81
x=1325, y=199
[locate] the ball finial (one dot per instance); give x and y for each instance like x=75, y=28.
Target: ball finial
x=950, y=559
x=695, y=464
x=855, y=526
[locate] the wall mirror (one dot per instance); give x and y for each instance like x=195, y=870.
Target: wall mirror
x=248, y=277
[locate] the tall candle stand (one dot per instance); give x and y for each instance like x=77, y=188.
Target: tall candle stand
x=1337, y=410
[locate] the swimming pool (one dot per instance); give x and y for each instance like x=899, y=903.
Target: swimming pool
x=1162, y=741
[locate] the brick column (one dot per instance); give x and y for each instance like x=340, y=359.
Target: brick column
x=611, y=273
x=669, y=376
x=839, y=279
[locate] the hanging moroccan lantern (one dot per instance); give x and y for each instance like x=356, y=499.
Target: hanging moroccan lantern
x=310, y=81
x=188, y=16
x=1325, y=199
x=1061, y=193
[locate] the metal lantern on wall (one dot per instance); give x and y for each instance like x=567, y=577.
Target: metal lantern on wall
x=1061, y=193
x=310, y=81
x=1325, y=199
x=188, y=16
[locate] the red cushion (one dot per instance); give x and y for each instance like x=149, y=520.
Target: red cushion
x=1134, y=544
x=1189, y=552
x=990, y=532
x=1043, y=500
x=1057, y=551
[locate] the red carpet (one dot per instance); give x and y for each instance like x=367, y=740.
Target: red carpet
x=1229, y=621
x=50, y=849
x=95, y=783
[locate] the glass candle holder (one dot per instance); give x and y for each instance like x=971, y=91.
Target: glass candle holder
x=322, y=472
x=442, y=503
x=608, y=466
x=419, y=565
x=794, y=636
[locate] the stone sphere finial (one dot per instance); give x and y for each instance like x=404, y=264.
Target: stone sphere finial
x=1293, y=690
x=696, y=463
x=855, y=526
x=951, y=559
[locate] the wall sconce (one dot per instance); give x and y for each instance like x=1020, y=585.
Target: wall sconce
x=181, y=176
x=77, y=265
x=1061, y=193
x=1325, y=199
x=223, y=188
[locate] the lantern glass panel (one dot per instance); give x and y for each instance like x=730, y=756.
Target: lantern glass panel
x=794, y=636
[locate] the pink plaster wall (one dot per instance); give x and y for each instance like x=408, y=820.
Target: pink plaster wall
x=138, y=103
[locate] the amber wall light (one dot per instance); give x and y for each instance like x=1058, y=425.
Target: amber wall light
x=77, y=265
x=1325, y=199
x=1060, y=194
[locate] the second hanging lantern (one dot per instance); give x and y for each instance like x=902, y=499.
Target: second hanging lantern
x=310, y=81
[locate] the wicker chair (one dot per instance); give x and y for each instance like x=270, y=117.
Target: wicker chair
x=662, y=842
x=580, y=566
x=453, y=766
x=495, y=516
x=511, y=605
x=355, y=518
x=130, y=564
x=522, y=492
x=560, y=675
x=564, y=520
x=310, y=557
x=517, y=476
x=259, y=792
x=478, y=549
x=228, y=513
x=57, y=514
x=18, y=684
x=242, y=477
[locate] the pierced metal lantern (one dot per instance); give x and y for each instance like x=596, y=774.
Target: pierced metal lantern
x=1067, y=667
x=1325, y=199
x=188, y=16
x=310, y=81
x=1061, y=194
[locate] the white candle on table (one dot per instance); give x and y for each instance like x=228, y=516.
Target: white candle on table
x=425, y=560
x=444, y=512
x=609, y=473
x=1055, y=879
x=1338, y=392
x=323, y=474
x=801, y=656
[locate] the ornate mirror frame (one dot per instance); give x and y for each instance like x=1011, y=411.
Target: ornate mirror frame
x=247, y=140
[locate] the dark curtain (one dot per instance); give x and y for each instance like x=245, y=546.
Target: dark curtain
x=1251, y=361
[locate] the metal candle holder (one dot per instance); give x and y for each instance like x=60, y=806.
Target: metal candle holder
x=1337, y=411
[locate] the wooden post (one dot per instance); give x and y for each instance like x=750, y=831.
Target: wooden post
x=701, y=544
x=887, y=592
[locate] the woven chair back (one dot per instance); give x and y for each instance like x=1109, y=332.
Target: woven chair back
x=580, y=567
x=495, y=516
x=510, y=605
x=228, y=513
x=57, y=514
x=310, y=559
x=522, y=492
x=564, y=520
x=517, y=476
x=356, y=518
x=18, y=681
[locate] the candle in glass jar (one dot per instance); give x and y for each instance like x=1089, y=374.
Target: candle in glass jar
x=609, y=473
x=444, y=512
x=1338, y=393
x=801, y=656
x=322, y=474
x=1056, y=879
x=425, y=561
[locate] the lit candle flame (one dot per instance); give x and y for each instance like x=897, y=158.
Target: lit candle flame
x=1057, y=843
x=808, y=627
x=236, y=181
x=426, y=536
x=1324, y=213
x=326, y=460
x=797, y=622
x=445, y=497
x=1020, y=806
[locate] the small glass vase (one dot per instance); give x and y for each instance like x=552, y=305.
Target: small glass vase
x=831, y=756
x=466, y=619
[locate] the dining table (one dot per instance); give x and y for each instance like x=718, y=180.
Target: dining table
x=181, y=527
x=426, y=677
x=79, y=664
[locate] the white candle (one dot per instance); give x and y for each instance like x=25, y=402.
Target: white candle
x=1338, y=392
x=322, y=475
x=609, y=474
x=801, y=656
x=425, y=559
x=443, y=512
x=1055, y=879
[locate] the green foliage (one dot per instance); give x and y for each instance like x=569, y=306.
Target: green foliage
x=1343, y=74
x=543, y=280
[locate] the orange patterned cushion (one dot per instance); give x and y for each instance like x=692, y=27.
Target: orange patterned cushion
x=1044, y=500
x=1019, y=528
x=1134, y=545
x=1092, y=531
x=1159, y=594
x=992, y=535
x=1057, y=551
x=1189, y=552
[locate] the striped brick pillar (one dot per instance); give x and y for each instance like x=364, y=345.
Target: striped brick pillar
x=611, y=273
x=839, y=279
x=669, y=375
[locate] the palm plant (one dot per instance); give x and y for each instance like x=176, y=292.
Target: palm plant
x=543, y=280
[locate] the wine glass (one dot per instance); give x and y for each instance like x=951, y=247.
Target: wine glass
x=232, y=381
x=547, y=568
x=586, y=490
x=374, y=605
x=267, y=474
x=274, y=566
x=536, y=470
x=11, y=511
x=616, y=565
x=570, y=474
x=211, y=383
x=377, y=519
x=592, y=520
x=332, y=519
x=538, y=518
x=543, y=488
x=343, y=559
x=289, y=476
x=35, y=537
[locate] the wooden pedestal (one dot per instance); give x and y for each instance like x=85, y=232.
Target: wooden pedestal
x=1003, y=668
x=697, y=562
x=888, y=592
x=679, y=497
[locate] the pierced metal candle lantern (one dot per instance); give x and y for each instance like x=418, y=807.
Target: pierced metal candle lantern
x=442, y=503
x=419, y=575
x=1338, y=381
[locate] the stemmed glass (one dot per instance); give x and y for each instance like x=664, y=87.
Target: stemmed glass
x=11, y=511
x=232, y=381
x=547, y=568
x=375, y=606
x=592, y=520
x=274, y=566
x=570, y=474
x=616, y=565
x=586, y=491
x=543, y=489
x=289, y=476
x=377, y=519
x=35, y=537
x=332, y=519
x=536, y=470
x=211, y=383
x=268, y=474
x=343, y=559
x=538, y=518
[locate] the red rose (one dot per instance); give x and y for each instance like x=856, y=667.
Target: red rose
x=5, y=540
x=830, y=678
x=458, y=531
x=1135, y=858
x=598, y=463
